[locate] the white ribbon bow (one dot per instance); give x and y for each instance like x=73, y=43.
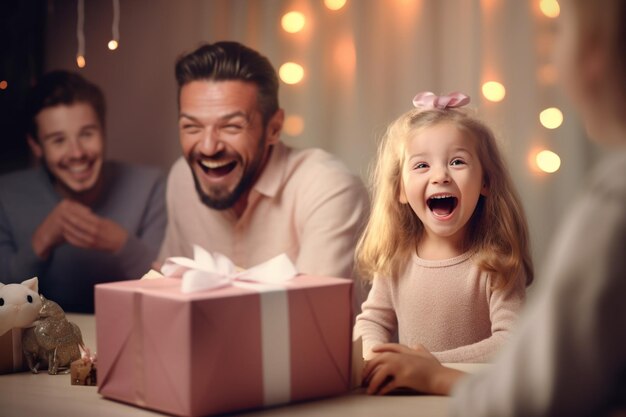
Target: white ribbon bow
x=209, y=271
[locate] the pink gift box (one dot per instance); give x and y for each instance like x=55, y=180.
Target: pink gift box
x=212, y=352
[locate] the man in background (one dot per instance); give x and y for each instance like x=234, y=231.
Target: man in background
x=76, y=220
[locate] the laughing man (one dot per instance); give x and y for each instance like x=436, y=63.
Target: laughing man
x=238, y=189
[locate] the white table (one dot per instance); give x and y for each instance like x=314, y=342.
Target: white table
x=26, y=395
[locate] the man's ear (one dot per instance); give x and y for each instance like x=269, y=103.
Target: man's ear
x=35, y=147
x=274, y=127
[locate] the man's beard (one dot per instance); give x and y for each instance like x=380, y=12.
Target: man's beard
x=227, y=199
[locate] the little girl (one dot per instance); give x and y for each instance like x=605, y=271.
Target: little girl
x=568, y=354
x=447, y=241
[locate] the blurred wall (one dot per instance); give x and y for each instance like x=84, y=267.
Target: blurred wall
x=363, y=65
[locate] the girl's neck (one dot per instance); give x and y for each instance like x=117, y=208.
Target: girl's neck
x=433, y=247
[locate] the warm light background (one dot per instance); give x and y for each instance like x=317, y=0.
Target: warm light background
x=362, y=64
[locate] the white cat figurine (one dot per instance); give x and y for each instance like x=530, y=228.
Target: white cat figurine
x=19, y=305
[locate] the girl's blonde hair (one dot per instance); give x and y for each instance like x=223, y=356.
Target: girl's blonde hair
x=498, y=229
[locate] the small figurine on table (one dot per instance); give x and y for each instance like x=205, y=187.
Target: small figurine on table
x=19, y=308
x=53, y=342
x=83, y=370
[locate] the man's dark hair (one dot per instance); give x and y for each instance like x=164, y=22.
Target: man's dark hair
x=62, y=88
x=223, y=61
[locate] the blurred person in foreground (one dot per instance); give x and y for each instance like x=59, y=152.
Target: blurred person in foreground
x=568, y=357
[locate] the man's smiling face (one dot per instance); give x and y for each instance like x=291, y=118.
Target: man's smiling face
x=70, y=143
x=223, y=138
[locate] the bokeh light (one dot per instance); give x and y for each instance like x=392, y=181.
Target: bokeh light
x=344, y=56
x=3, y=85
x=551, y=118
x=294, y=125
x=291, y=73
x=113, y=44
x=293, y=22
x=548, y=161
x=80, y=61
x=335, y=4
x=550, y=8
x=494, y=91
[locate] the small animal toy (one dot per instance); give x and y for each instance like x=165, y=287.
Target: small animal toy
x=19, y=304
x=83, y=371
x=53, y=342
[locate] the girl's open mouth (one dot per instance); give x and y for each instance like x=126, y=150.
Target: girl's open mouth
x=442, y=205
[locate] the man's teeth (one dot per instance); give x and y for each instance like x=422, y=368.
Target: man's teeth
x=214, y=164
x=76, y=169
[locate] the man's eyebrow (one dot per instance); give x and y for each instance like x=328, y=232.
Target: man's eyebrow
x=234, y=114
x=187, y=116
x=51, y=135
x=61, y=133
x=227, y=116
x=91, y=126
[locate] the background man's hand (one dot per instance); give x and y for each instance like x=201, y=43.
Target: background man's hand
x=74, y=223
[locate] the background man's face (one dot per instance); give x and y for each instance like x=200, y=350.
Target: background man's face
x=70, y=143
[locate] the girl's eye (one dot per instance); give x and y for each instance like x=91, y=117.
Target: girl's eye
x=421, y=165
x=457, y=162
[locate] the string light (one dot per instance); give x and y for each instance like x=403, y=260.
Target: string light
x=293, y=22
x=294, y=125
x=551, y=118
x=335, y=4
x=4, y=84
x=80, y=34
x=494, y=91
x=548, y=161
x=291, y=73
x=115, y=29
x=550, y=8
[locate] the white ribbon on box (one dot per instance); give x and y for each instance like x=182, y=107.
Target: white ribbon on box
x=208, y=271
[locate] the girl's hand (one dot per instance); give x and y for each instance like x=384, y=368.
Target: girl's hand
x=397, y=366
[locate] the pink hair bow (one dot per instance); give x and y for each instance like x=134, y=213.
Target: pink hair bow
x=430, y=100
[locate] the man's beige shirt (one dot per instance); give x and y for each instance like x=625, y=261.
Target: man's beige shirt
x=305, y=204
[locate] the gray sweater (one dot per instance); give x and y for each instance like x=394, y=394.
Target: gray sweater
x=568, y=357
x=133, y=197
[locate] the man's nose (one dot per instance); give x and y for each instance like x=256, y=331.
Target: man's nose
x=211, y=142
x=76, y=148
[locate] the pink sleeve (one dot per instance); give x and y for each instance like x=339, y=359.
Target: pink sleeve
x=504, y=307
x=377, y=323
